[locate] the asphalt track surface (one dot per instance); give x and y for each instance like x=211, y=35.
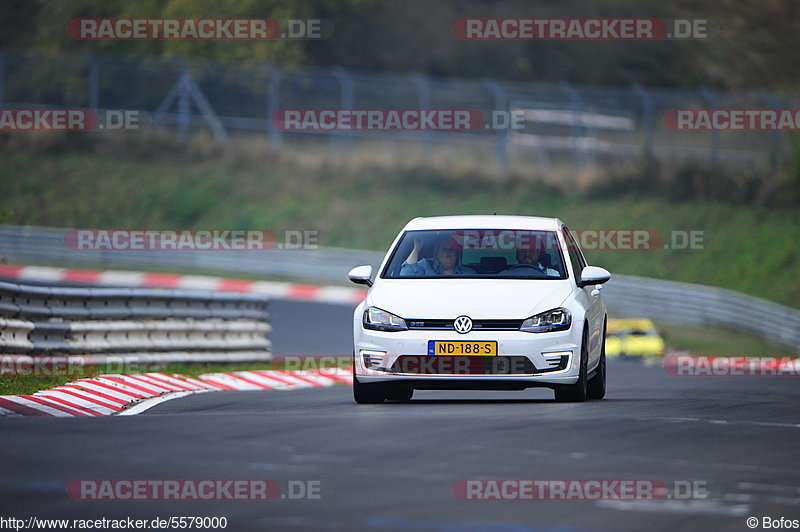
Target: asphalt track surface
x=394, y=466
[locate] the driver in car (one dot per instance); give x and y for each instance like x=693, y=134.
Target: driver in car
x=529, y=256
x=446, y=261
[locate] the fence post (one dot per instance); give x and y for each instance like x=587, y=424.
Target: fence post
x=647, y=118
x=273, y=104
x=424, y=90
x=184, y=107
x=774, y=138
x=501, y=104
x=575, y=105
x=203, y=105
x=94, y=76
x=2, y=78
x=713, y=103
x=343, y=138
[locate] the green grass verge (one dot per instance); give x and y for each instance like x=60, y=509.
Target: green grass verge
x=27, y=384
x=751, y=249
x=711, y=341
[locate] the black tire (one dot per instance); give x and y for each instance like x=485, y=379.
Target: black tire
x=400, y=393
x=576, y=393
x=367, y=394
x=596, y=387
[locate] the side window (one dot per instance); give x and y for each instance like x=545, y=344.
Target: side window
x=575, y=256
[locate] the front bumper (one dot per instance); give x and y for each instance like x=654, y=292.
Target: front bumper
x=523, y=359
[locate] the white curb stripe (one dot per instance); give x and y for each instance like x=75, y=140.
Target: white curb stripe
x=127, y=386
x=42, y=273
x=322, y=380
x=147, y=404
x=230, y=380
x=88, y=396
x=180, y=384
x=59, y=402
x=278, y=290
x=268, y=382
x=97, y=396
x=294, y=381
x=121, y=278
x=36, y=406
x=202, y=385
x=150, y=382
x=104, y=410
x=296, y=376
x=198, y=282
x=102, y=387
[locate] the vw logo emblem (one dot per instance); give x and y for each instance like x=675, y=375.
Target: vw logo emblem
x=462, y=324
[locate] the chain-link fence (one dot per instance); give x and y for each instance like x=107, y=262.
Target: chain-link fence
x=580, y=125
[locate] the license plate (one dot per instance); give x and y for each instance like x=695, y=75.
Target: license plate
x=438, y=347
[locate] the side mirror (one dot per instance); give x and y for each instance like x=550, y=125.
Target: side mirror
x=592, y=275
x=361, y=275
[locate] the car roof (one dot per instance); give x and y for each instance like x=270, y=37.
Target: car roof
x=531, y=223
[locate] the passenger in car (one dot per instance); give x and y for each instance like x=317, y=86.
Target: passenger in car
x=446, y=260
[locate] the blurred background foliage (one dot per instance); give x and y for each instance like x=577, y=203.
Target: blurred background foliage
x=751, y=43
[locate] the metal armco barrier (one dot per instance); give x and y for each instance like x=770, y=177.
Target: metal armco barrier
x=38, y=245
x=134, y=324
x=625, y=295
x=628, y=295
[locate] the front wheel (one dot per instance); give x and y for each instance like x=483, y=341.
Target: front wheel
x=596, y=388
x=576, y=393
x=367, y=394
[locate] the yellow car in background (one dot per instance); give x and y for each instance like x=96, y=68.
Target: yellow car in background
x=633, y=338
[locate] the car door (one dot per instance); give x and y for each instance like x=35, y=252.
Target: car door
x=589, y=297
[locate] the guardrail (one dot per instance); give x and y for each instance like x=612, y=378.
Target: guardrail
x=631, y=296
x=625, y=295
x=134, y=325
x=38, y=245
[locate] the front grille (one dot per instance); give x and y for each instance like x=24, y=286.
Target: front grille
x=463, y=365
x=477, y=325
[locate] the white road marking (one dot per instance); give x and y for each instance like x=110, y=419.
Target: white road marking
x=147, y=404
x=708, y=507
x=728, y=422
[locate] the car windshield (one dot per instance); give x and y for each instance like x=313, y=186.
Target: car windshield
x=477, y=253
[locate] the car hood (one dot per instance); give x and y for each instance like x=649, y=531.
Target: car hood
x=478, y=299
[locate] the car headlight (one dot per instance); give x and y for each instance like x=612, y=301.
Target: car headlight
x=380, y=320
x=557, y=319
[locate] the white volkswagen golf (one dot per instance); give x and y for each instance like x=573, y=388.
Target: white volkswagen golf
x=481, y=302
